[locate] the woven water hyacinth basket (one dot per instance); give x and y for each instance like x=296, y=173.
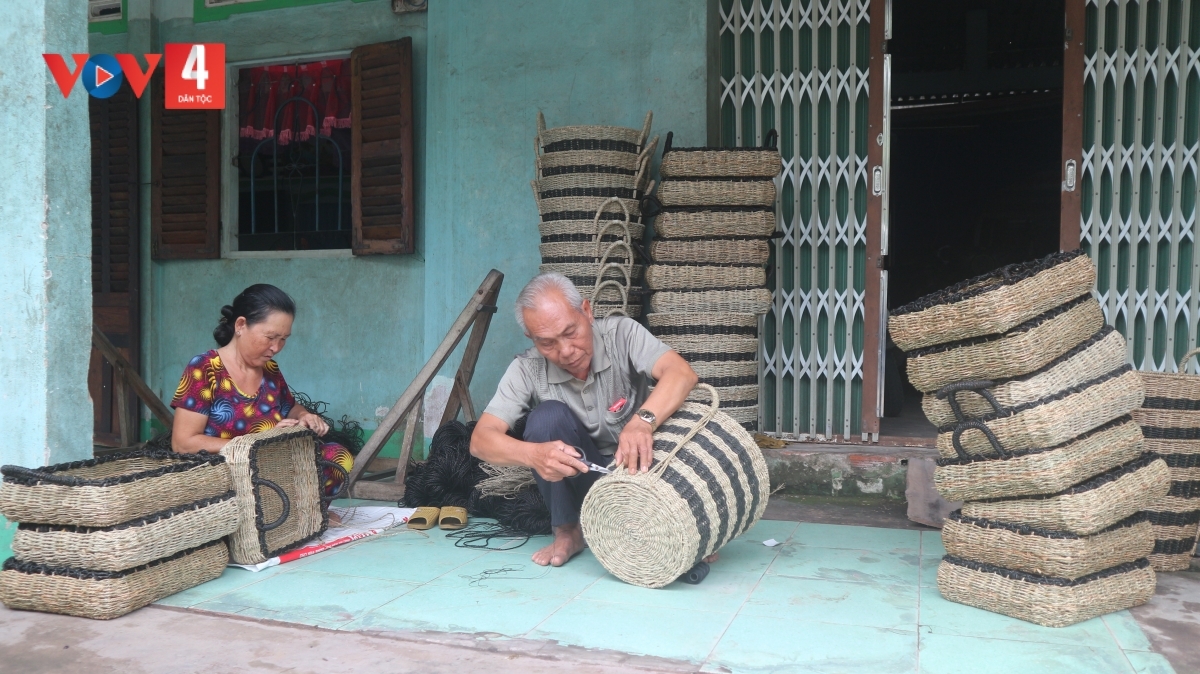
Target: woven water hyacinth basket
x=1045, y=600
x=746, y=415
x=1101, y=353
x=701, y=324
x=708, y=485
x=727, y=373
x=742, y=192
x=748, y=301
x=708, y=223
x=1046, y=552
x=104, y=595
x=1173, y=537
x=592, y=137
x=711, y=348
x=1085, y=508
x=695, y=277
x=584, y=231
x=712, y=251
x=742, y=162
x=585, y=208
x=992, y=303
x=1021, y=350
x=1048, y=421
x=584, y=253
x=276, y=474
x=112, y=489
x=129, y=544
x=1040, y=471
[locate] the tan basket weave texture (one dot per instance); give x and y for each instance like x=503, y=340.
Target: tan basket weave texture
x=740, y=162
x=714, y=224
x=712, y=251
x=590, y=205
x=675, y=193
x=749, y=301
x=720, y=369
x=710, y=344
x=622, y=134
x=588, y=228
x=713, y=319
x=695, y=277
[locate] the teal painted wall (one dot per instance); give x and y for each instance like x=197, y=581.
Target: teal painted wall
x=45, y=280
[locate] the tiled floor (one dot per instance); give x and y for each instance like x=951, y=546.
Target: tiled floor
x=831, y=598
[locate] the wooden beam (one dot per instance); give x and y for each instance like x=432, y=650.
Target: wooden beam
x=1072, y=125
x=126, y=371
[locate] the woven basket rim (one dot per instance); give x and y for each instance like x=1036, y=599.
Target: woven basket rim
x=1007, y=275
x=32, y=568
x=1105, y=331
x=1026, y=530
x=1019, y=329
x=129, y=524
x=1013, y=454
x=1090, y=484
x=46, y=474
x=1022, y=576
x=718, y=209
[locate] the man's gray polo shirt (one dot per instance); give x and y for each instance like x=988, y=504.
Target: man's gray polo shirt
x=623, y=356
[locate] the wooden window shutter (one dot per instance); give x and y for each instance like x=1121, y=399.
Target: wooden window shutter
x=381, y=163
x=185, y=195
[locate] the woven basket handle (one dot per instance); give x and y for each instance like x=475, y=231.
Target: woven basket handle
x=603, y=259
x=771, y=142
x=600, y=211
x=700, y=424
x=287, y=503
x=643, y=170
x=624, y=310
x=1186, y=357
x=956, y=439
x=324, y=463
x=646, y=128
x=950, y=392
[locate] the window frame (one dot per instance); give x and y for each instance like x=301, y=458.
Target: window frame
x=230, y=126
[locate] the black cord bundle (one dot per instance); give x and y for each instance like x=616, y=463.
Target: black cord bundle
x=346, y=432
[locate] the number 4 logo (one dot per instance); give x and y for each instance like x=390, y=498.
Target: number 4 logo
x=195, y=76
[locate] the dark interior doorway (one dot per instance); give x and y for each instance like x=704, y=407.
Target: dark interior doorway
x=976, y=136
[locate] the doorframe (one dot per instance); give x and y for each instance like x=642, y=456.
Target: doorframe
x=875, y=305
x=1074, y=27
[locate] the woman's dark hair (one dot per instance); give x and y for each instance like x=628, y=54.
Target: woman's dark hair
x=255, y=304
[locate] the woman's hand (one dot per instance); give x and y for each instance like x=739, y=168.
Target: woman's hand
x=306, y=419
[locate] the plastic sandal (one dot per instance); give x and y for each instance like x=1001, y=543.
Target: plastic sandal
x=453, y=517
x=424, y=518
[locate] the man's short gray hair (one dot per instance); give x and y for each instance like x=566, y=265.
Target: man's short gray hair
x=537, y=286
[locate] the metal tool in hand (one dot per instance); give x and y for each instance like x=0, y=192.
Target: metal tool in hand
x=591, y=466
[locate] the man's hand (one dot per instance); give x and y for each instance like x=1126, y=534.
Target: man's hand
x=556, y=460
x=635, y=447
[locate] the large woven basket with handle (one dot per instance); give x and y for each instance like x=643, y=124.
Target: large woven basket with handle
x=700, y=325
x=592, y=138
x=276, y=475
x=112, y=489
x=1045, y=600
x=104, y=595
x=992, y=303
x=711, y=251
x=741, y=192
x=740, y=162
x=707, y=222
x=707, y=486
x=746, y=301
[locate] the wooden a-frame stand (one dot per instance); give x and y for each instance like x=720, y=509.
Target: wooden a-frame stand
x=477, y=316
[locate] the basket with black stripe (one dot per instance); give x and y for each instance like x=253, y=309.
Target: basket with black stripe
x=1170, y=419
x=701, y=325
x=734, y=162
x=711, y=222
x=104, y=595
x=276, y=474
x=592, y=138
x=1046, y=600
x=112, y=489
x=992, y=303
x=707, y=486
x=740, y=301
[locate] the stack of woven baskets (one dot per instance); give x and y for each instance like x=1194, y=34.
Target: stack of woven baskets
x=708, y=276
x=1170, y=420
x=104, y=537
x=590, y=181
x=1032, y=399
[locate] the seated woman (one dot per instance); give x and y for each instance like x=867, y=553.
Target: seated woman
x=237, y=388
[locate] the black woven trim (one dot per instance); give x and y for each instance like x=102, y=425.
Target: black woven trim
x=1177, y=404
x=591, y=144
x=581, y=238
x=1025, y=530
x=710, y=481
x=555, y=216
x=1094, y=483
x=1181, y=460
x=661, y=263
x=667, y=330
x=718, y=179
x=956, y=461
x=1155, y=433
x=718, y=209
x=586, y=168
x=1185, y=489
x=1179, y=546
x=709, y=290
x=717, y=357
x=722, y=382
x=139, y=522
x=687, y=239
x=1164, y=519
x=1047, y=580
x=1010, y=411
x=46, y=475
x=621, y=192
x=716, y=148
x=584, y=259
x=687, y=492
x=1024, y=327
x=13, y=564
x=735, y=404
x=1006, y=275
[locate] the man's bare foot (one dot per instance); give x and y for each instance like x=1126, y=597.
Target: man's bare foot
x=712, y=558
x=568, y=541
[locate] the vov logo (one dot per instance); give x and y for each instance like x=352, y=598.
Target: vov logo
x=194, y=75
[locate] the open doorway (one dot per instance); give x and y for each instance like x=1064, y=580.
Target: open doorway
x=976, y=135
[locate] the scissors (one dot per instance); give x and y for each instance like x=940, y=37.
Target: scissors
x=591, y=466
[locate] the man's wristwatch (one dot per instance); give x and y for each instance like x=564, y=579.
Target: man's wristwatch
x=648, y=417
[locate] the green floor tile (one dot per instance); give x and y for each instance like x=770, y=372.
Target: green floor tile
x=780, y=646
x=1126, y=631
x=231, y=579
x=410, y=557
x=7, y=530
x=857, y=538
x=725, y=589
x=524, y=575
x=641, y=630
x=948, y=654
x=311, y=597
x=1149, y=663
x=948, y=618
x=865, y=604
x=780, y=530
x=859, y=566
x=931, y=544
x=929, y=567
x=329, y=622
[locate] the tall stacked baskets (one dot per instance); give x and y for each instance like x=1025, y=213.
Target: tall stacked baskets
x=104, y=537
x=1170, y=420
x=1032, y=399
x=708, y=276
x=589, y=186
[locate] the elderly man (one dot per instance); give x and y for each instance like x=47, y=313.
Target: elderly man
x=584, y=385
